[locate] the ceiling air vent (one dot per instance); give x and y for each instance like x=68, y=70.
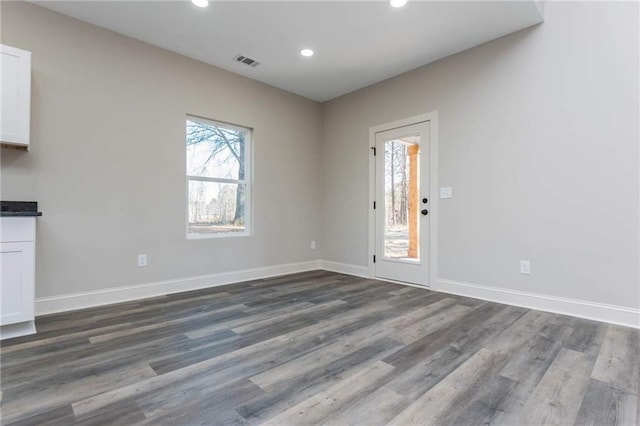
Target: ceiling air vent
x=247, y=61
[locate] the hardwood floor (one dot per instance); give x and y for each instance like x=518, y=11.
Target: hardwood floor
x=319, y=348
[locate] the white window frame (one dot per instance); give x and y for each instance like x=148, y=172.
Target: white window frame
x=247, y=181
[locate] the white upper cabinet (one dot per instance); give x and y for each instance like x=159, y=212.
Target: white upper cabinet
x=15, y=92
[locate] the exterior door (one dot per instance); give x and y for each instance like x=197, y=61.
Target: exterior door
x=402, y=204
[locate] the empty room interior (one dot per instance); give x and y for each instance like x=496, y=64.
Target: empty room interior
x=320, y=212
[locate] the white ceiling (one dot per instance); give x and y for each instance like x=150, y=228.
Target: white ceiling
x=357, y=43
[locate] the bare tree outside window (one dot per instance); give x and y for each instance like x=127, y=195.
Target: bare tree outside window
x=396, y=183
x=217, y=173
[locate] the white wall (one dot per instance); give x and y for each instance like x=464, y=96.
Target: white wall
x=538, y=138
x=539, y=141
x=107, y=159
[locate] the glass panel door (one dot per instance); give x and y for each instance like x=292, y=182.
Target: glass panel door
x=402, y=192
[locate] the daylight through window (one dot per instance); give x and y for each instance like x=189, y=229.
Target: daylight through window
x=217, y=179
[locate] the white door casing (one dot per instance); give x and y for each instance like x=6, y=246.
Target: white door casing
x=402, y=223
x=419, y=268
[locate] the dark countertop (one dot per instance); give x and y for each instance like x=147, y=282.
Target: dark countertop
x=20, y=214
x=19, y=209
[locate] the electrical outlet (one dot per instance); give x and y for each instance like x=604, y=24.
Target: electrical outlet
x=313, y=245
x=525, y=267
x=445, y=192
x=142, y=260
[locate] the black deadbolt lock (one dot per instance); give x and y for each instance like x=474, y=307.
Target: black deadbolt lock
x=424, y=200
x=424, y=212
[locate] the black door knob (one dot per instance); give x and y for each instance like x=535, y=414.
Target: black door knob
x=424, y=212
x=425, y=201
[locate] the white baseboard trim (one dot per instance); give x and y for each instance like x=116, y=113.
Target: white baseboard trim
x=17, y=330
x=613, y=314
x=629, y=317
x=70, y=302
x=345, y=268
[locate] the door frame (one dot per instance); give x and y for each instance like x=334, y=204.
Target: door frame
x=432, y=118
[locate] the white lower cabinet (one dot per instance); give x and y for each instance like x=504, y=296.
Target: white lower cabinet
x=17, y=277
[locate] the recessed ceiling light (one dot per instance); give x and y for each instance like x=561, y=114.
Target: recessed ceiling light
x=200, y=3
x=306, y=52
x=398, y=3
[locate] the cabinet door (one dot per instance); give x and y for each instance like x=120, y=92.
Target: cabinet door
x=17, y=282
x=15, y=93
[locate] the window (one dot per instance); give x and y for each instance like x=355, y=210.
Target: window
x=218, y=179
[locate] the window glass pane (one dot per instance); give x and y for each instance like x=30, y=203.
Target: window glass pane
x=216, y=208
x=215, y=151
x=402, y=186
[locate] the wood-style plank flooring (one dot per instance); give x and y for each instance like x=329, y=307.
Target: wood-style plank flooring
x=319, y=348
